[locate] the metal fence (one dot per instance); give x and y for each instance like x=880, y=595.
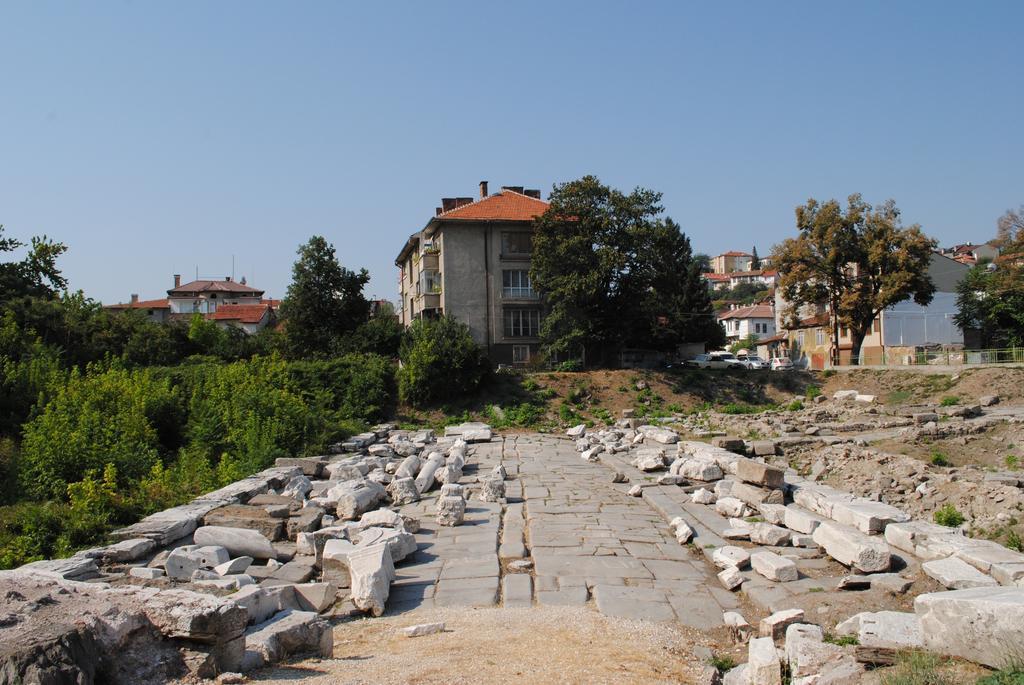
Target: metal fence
x=939, y=357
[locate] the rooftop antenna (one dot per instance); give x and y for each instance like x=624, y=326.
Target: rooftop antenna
x=197, y=272
x=232, y=267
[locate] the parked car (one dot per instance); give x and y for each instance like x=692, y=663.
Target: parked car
x=781, y=363
x=752, y=361
x=715, y=360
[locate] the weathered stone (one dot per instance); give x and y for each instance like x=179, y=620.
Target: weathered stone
x=236, y=565
x=754, y=495
x=425, y=479
x=422, y=629
x=801, y=520
x=290, y=632
x=988, y=400
x=730, y=578
x=763, y=665
x=650, y=460
x=400, y=543
x=956, y=574
x=237, y=541
x=310, y=466
x=768, y=534
x=702, y=496
x=355, y=497
x=774, y=567
x=371, y=571
x=247, y=517
x=773, y=513
x=730, y=506
x=403, y=491
x=591, y=453
x=739, y=627
x=260, y=602
x=492, y=490
x=696, y=469
x=683, y=532
x=867, y=516
x=298, y=488
x=305, y=520
x=750, y=471
x=448, y=473
x=451, y=510
x=636, y=491
x=886, y=629
x=128, y=550
x=658, y=434
x=145, y=573
x=983, y=625
x=774, y=626
x=195, y=616
x=853, y=548
x=181, y=563
x=729, y=443
x=577, y=431
x=807, y=653
x=845, y=394
x=730, y=557
x=315, y=596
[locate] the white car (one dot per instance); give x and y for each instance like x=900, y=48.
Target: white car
x=781, y=363
x=715, y=360
x=752, y=361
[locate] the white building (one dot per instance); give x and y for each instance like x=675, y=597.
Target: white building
x=739, y=323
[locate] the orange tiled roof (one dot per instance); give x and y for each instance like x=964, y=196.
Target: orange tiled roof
x=205, y=285
x=716, y=277
x=757, y=311
x=244, y=313
x=507, y=205
x=733, y=253
x=141, y=304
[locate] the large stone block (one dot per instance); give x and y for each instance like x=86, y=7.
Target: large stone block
x=763, y=665
x=801, y=520
x=372, y=571
x=750, y=471
x=239, y=542
x=774, y=567
x=956, y=574
x=867, y=516
x=754, y=495
x=245, y=516
x=985, y=625
x=290, y=632
x=354, y=497
x=664, y=436
x=696, y=469
x=853, y=548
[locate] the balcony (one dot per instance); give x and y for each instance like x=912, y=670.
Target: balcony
x=513, y=293
x=429, y=300
x=430, y=261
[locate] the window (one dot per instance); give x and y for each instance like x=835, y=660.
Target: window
x=516, y=283
x=819, y=336
x=520, y=354
x=519, y=242
x=430, y=282
x=522, y=323
x=876, y=325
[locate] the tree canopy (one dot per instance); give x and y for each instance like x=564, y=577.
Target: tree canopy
x=324, y=301
x=857, y=261
x=615, y=273
x=991, y=299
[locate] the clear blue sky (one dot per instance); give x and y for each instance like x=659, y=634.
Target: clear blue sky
x=155, y=138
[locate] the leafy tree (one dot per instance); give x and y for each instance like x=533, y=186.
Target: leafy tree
x=37, y=274
x=991, y=300
x=324, y=301
x=380, y=335
x=858, y=261
x=755, y=261
x=614, y=273
x=440, y=361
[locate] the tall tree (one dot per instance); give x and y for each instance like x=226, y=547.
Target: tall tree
x=857, y=261
x=755, y=261
x=990, y=298
x=37, y=274
x=324, y=301
x=614, y=273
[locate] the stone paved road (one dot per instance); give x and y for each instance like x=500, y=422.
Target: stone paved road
x=591, y=544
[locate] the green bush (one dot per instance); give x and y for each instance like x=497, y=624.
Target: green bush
x=947, y=515
x=570, y=366
x=949, y=401
x=939, y=459
x=812, y=392
x=100, y=417
x=795, y=405
x=440, y=361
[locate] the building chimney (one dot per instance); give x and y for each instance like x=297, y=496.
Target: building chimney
x=135, y=298
x=227, y=278
x=483, y=189
x=448, y=204
x=532, y=192
x=177, y=280
x=437, y=211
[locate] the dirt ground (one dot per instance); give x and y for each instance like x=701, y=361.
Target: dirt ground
x=538, y=645
x=907, y=387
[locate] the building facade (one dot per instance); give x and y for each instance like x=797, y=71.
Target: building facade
x=472, y=262
x=741, y=322
x=729, y=262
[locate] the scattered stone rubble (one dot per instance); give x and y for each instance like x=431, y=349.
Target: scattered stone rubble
x=241, y=577
x=791, y=521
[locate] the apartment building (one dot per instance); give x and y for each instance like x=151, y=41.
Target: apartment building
x=472, y=262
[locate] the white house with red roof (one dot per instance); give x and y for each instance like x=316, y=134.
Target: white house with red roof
x=472, y=262
x=741, y=322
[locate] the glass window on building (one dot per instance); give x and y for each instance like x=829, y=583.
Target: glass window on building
x=516, y=283
x=520, y=354
x=516, y=242
x=522, y=323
